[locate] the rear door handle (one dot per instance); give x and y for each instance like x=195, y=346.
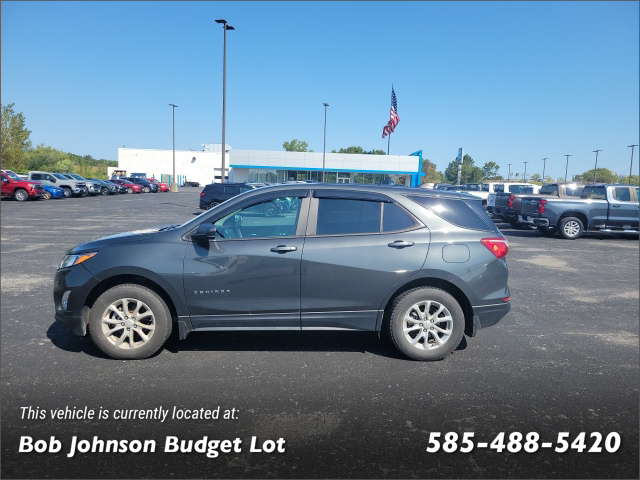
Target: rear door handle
x=401, y=244
x=283, y=249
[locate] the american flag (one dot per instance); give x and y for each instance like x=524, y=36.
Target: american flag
x=393, y=121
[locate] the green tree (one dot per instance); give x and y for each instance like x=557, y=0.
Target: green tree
x=603, y=175
x=535, y=177
x=431, y=175
x=624, y=179
x=490, y=170
x=295, y=145
x=14, y=139
x=360, y=150
x=470, y=173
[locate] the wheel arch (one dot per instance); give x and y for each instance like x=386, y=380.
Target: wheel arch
x=435, y=282
x=121, y=279
x=577, y=214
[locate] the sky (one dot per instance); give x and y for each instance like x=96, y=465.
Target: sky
x=510, y=82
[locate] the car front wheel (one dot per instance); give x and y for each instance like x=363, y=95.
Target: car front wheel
x=130, y=321
x=146, y=189
x=426, y=323
x=129, y=190
x=104, y=191
x=571, y=228
x=46, y=195
x=67, y=192
x=21, y=195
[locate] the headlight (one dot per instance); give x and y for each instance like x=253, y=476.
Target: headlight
x=71, y=260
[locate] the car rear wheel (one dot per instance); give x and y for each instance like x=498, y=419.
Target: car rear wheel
x=571, y=228
x=426, y=323
x=213, y=204
x=46, y=195
x=104, y=191
x=130, y=322
x=21, y=195
x=67, y=192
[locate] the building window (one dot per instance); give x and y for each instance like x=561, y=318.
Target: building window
x=344, y=177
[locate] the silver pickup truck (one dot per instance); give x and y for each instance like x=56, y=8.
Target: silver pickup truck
x=602, y=208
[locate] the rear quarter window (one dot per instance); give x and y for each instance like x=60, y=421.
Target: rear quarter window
x=596, y=193
x=549, y=190
x=465, y=214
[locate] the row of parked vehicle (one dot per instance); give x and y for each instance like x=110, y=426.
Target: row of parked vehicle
x=48, y=185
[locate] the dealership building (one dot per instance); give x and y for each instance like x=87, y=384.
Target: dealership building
x=205, y=166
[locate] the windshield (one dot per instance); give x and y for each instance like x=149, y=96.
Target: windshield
x=60, y=176
x=12, y=175
x=73, y=175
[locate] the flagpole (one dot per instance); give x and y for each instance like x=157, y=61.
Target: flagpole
x=389, y=140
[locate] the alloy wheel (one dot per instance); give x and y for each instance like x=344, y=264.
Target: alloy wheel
x=427, y=325
x=128, y=323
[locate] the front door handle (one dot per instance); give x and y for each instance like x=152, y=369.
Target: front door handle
x=615, y=206
x=401, y=244
x=283, y=249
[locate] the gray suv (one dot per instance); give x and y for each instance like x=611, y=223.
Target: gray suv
x=424, y=266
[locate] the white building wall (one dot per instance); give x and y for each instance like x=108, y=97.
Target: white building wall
x=192, y=165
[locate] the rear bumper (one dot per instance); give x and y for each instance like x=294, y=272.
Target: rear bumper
x=488, y=315
x=530, y=220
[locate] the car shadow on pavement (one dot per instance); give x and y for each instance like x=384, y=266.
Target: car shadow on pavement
x=310, y=341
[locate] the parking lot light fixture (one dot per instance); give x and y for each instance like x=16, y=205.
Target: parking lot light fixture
x=509, y=171
x=225, y=27
x=324, y=147
x=544, y=165
x=174, y=184
x=566, y=168
x=595, y=169
x=525, y=172
x=631, y=164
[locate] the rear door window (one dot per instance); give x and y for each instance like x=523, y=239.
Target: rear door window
x=498, y=188
x=595, y=193
x=622, y=194
x=230, y=189
x=337, y=216
x=395, y=218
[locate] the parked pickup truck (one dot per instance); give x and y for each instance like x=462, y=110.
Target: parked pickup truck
x=496, y=188
x=507, y=205
x=16, y=187
x=603, y=208
x=69, y=185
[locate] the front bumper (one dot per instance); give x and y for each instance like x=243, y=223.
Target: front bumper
x=80, y=190
x=71, y=288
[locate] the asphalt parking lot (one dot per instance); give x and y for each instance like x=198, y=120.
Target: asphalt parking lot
x=566, y=358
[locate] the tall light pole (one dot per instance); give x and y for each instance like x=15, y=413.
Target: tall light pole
x=566, y=168
x=544, y=166
x=631, y=165
x=509, y=171
x=225, y=27
x=174, y=184
x=525, y=172
x=595, y=169
x=324, y=147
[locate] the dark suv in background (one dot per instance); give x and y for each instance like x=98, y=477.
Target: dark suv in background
x=424, y=266
x=216, y=193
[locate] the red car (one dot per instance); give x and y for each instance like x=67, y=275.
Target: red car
x=20, y=189
x=131, y=187
x=162, y=187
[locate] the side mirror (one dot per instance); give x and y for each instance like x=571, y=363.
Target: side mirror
x=5, y=180
x=205, y=232
x=52, y=179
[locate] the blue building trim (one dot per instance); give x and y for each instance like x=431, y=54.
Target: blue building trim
x=273, y=167
x=415, y=177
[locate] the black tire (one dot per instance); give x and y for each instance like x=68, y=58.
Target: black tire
x=548, y=231
x=213, y=204
x=46, y=195
x=67, y=192
x=85, y=193
x=146, y=189
x=129, y=190
x=21, y=195
x=270, y=209
x=156, y=338
x=104, y=191
x=425, y=350
x=570, y=228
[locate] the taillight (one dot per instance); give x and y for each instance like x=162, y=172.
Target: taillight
x=541, y=205
x=511, y=199
x=202, y=194
x=498, y=246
